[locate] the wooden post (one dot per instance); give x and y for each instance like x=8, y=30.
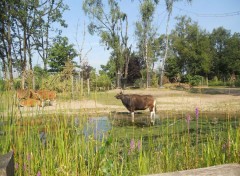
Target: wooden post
x=33, y=82
x=72, y=85
x=81, y=86
x=88, y=86
x=7, y=164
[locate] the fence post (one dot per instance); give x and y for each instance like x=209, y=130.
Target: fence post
x=88, y=86
x=81, y=86
x=72, y=84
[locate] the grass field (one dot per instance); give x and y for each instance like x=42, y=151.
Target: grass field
x=183, y=138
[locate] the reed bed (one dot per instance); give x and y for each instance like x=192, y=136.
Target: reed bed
x=71, y=144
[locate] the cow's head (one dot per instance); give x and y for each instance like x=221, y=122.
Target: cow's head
x=119, y=96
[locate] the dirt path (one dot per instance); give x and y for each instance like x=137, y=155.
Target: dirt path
x=167, y=100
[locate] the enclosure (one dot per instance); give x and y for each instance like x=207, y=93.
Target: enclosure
x=94, y=135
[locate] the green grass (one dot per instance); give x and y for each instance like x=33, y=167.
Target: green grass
x=55, y=144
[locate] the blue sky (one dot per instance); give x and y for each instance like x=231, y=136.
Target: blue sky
x=209, y=14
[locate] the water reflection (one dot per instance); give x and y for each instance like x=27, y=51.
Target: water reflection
x=140, y=120
x=97, y=128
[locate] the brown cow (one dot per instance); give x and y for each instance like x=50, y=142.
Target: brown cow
x=135, y=102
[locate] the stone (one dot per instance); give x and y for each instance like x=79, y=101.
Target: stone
x=7, y=164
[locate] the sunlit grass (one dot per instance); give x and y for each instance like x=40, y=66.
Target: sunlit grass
x=56, y=144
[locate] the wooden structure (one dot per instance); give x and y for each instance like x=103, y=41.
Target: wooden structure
x=219, y=170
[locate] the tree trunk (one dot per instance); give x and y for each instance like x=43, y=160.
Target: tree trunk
x=147, y=64
x=166, y=51
x=9, y=53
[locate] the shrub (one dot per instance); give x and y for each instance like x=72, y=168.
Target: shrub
x=2, y=85
x=192, y=80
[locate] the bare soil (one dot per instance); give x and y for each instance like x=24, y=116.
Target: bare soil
x=217, y=100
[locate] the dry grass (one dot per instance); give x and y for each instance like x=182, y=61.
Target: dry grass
x=167, y=100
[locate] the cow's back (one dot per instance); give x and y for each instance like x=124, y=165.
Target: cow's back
x=141, y=102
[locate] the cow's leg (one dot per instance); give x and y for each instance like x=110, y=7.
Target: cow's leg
x=152, y=116
x=153, y=113
x=132, y=114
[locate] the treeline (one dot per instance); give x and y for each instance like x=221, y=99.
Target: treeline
x=186, y=54
x=195, y=56
x=27, y=28
x=196, y=52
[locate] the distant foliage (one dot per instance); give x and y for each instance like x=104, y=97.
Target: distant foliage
x=100, y=82
x=192, y=80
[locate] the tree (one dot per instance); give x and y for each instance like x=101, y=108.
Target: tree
x=191, y=49
x=107, y=21
x=145, y=33
x=59, y=53
x=21, y=24
x=219, y=38
x=169, y=5
x=48, y=14
x=6, y=38
x=232, y=56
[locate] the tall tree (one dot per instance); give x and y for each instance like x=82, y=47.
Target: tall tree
x=191, y=48
x=6, y=25
x=107, y=20
x=145, y=33
x=232, y=57
x=169, y=6
x=60, y=53
x=50, y=12
x=219, y=38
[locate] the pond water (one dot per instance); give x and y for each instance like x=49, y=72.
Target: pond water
x=98, y=127
x=120, y=122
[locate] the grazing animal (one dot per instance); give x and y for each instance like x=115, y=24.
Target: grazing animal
x=23, y=93
x=135, y=102
x=30, y=102
x=46, y=95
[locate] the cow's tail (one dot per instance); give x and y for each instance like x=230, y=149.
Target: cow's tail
x=155, y=106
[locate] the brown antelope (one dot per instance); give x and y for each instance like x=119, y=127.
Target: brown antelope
x=30, y=102
x=47, y=95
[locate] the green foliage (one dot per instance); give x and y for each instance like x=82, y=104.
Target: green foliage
x=192, y=80
x=173, y=144
x=154, y=80
x=100, y=82
x=60, y=53
x=237, y=82
x=216, y=82
x=107, y=21
x=2, y=85
x=39, y=75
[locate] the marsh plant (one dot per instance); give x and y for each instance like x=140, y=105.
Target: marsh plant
x=56, y=144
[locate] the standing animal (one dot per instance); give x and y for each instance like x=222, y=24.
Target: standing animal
x=135, y=102
x=46, y=95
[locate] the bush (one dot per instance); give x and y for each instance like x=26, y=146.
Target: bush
x=154, y=80
x=216, y=83
x=192, y=80
x=2, y=85
x=237, y=83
